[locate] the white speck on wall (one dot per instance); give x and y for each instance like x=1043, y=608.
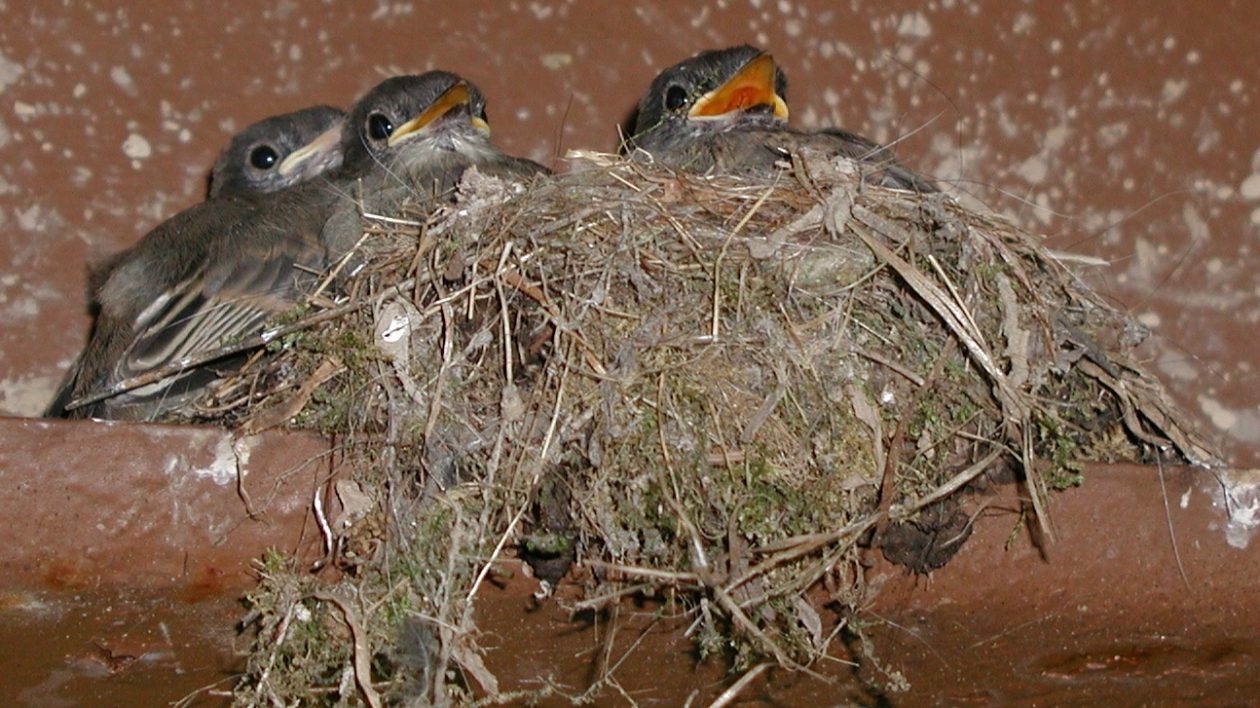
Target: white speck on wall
x=1034, y=170
x=1250, y=187
x=1057, y=137
x=137, y=147
x=1111, y=134
x=1043, y=212
x=1208, y=138
x=556, y=61
x=1194, y=222
x=9, y=72
x=123, y=79
x=1173, y=90
x=24, y=110
x=1255, y=217
x=1023, y=23
x=30, y=219
x=1177, y=368
x=229, y=456
x=21, y=308
x=1222, y=417
x=1150, y=320
x=700, y=18
x=27, y=396
x=540, y=10
x=914, y=24
x=79, y=91
x=1241, y=501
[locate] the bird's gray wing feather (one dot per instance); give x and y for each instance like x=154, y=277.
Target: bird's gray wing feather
x=223, y=303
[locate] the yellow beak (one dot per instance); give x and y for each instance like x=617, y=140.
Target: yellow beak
x=454, y=96
x=752, y=85
x=323, y=144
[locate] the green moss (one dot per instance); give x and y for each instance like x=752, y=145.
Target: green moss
x=1061, y=451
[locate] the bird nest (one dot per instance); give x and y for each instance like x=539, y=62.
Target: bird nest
x=724, y=390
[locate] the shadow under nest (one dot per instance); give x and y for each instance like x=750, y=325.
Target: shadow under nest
x=718, y=389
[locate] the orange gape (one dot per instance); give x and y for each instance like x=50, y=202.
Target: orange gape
x=752, y=86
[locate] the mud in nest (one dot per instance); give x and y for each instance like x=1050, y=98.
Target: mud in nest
x=715, y=390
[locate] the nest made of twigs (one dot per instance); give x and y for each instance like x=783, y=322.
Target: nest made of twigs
x=718, y=386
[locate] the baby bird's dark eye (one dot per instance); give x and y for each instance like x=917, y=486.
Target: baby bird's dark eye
x=379, y=127
x=675, y=97
x=264, y=157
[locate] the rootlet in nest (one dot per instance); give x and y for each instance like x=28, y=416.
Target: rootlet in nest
x=721, y=387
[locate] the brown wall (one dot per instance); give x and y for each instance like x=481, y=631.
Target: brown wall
x=1129, y=133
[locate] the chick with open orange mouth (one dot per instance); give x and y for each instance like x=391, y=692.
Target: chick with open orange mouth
x=725, y=110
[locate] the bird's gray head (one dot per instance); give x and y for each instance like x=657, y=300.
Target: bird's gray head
x=719, y=88
x=278, y=152
x=404, y=108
